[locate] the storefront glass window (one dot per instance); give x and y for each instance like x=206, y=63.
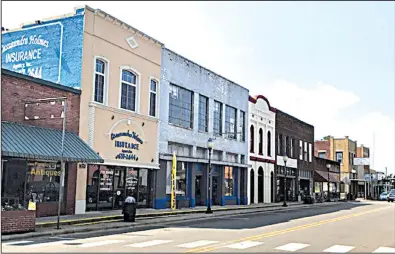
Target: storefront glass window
x=43, y=181
x=13, y=182
x=181, y=187
x=229, y=181
x=143, y=187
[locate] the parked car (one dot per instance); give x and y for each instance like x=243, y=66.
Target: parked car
x=383, y=196
x=391, y=196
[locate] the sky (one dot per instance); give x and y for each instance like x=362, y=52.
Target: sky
x=330, y=64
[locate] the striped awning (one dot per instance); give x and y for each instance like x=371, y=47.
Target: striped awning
x=38, y=143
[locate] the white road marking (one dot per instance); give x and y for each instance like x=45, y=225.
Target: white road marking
x=339, y=249
x=148, y=243
x=196, y=244
x=384, y=250
x=292, y=246
x=20, y=242
x=100, y=243
x=244, y=245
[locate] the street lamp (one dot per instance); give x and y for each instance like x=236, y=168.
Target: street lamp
x=285, y=158
x=328, y=167
x=210, y=146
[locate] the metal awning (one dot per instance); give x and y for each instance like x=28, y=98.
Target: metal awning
x=38, y=143
x=322, y=176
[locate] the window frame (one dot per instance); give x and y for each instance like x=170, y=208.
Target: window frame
x=221, y=107
x=192, y=102
x=206, y=114
x=235, y=123
x=342, y=156
x=156, y=98
x=269, y=143
x=106, y=78
x=242, y=125
x=260, y=141
x=138, y=82
x=252, y=138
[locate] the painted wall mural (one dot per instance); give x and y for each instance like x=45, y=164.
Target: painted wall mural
x=51, y=50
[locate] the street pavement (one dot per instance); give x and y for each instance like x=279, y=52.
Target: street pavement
x=342, y=227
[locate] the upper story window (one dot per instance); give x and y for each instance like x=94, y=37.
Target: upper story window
x=300, y=150
x=230, y=122
x=287, y=146
x=242, y=126
x=180, y=107
x=280, y=145
x=217, y=118
x=291, y=149
x=252, y=135
x=322, y=155
x=260, y=141
x=203, y=113
x=129, y=90
x=269, y=144
x=153, y=97
x=305, y=151
x=100, y=80
x=339, y=157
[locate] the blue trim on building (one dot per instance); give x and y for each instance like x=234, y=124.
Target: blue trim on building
x=160, y=203
x=189, y=182
x=236, y=185
x=193, y=202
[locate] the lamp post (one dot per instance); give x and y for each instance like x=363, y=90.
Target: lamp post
x=328, y=199
x=285, y=158
x=210, y=145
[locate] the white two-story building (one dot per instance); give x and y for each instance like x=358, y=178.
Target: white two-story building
x=262, y=157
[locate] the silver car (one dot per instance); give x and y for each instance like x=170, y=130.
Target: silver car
x=391, y=196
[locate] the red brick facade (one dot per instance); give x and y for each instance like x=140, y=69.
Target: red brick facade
x=322, y=145
x=15, y=90
x=17, y=221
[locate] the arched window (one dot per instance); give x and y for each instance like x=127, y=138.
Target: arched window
x=260, y=141
x=129, y=90
x=252, y=139
x=269, y=144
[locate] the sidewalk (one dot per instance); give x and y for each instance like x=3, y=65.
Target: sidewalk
x=98, y=216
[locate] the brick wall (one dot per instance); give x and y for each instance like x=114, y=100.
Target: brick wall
x=17, y=221
x=17, y=88
x=296, y=129
x=322, y=145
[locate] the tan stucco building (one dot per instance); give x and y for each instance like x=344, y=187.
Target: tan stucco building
x=119, y=111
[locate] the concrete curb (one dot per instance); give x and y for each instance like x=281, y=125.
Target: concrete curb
x=146, y=224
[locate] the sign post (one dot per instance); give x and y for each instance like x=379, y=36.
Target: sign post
x=173, y=183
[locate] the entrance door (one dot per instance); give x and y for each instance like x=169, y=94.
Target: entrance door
x=144, y=187
x=198, y=190
x=252, y=186
x=215, y=190
x=119, y=187
x=271, y=187
x=260, y=185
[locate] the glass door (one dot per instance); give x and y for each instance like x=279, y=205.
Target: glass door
x=119, y=187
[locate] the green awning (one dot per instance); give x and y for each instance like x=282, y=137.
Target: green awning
x=38, y=143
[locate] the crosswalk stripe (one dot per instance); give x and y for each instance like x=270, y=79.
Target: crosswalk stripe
x=244, y=245
x=19, y=242
x=196, y=244
x=148, y=243
x=384, y=250
x=100, y=243
x=339, y=249
x=292, y=247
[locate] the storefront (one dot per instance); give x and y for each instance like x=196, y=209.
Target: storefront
x=128, y=147
x=31, y=169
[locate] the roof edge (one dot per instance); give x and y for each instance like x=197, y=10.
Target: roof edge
x=254, y=100
x=280, y=111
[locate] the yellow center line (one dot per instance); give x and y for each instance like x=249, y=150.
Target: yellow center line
x=283, y=231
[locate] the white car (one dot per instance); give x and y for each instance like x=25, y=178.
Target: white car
x=383, y=196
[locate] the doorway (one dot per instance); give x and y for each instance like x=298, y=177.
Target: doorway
x=260, y=185
x=252, y=186
x=271, y=187
x=215, y=190
x=198, y=190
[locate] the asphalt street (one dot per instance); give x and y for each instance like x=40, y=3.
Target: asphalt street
x=344, y=227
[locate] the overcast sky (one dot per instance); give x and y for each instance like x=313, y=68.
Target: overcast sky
x=330, y=64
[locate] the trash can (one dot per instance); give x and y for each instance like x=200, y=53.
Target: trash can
x=129, y=209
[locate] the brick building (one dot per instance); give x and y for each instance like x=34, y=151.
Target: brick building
x=31, y=143
x=295, y=139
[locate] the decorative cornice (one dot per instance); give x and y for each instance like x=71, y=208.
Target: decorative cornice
x=255, y=99
x=253, y=158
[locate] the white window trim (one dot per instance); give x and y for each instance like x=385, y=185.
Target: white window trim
x=157, y=97
x=106, y=78
x=310, y=152
x=305, y=152
x=138, y=81
x=301, y=150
